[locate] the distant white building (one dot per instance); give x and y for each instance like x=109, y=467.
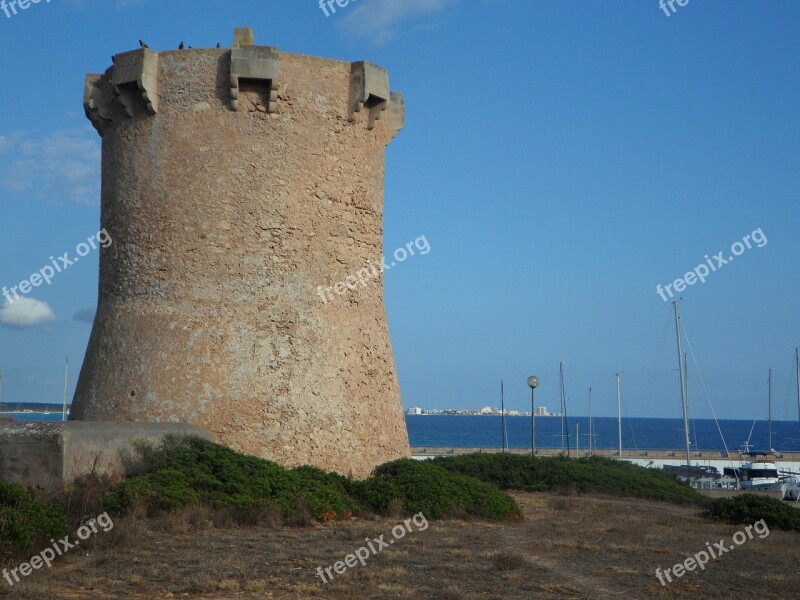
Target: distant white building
x=414, y=411
x=487, y=410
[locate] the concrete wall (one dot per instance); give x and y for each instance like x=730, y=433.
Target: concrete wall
x=50, y=456
x=235, y=183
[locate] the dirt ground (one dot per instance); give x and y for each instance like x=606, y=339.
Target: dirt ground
x=567, y=547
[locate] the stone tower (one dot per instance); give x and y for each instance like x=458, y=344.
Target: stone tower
x=235, y=182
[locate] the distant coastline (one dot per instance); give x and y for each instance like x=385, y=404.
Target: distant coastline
x=33, y=407
x=486, y=411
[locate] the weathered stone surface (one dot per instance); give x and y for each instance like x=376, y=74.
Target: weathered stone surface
x=50, y=456
x=224, y=224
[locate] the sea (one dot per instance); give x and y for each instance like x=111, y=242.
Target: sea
x=473, y=431
x=36, y=416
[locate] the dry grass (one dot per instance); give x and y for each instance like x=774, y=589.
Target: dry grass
x=568, y=547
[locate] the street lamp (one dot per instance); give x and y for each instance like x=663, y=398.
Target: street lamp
x=533, y=382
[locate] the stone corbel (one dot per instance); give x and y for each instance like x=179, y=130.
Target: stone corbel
x=136, y=74
x=369, y=88
x=95, y=102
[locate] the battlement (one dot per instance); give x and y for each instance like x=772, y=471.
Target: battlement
x=138, y=84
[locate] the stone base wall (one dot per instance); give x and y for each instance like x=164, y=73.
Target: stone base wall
x=51, y=456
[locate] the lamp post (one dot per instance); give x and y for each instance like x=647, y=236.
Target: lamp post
x=533, y=381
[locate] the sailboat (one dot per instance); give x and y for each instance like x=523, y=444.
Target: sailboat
x=759, y=471
x=699, y=476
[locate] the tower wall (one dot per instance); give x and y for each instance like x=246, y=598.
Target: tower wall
x=235, y=182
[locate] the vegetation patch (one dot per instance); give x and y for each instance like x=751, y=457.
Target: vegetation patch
x=567, y=475
x=25, y=522
x=749, y=508
x=185, y=472
x=436, y=492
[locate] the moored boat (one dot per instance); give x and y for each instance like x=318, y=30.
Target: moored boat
x=759, y=475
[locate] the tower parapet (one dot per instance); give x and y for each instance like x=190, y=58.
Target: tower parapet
x=252, y=68
x=235, y=183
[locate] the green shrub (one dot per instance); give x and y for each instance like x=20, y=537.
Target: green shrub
x=324, y=492
x=437, y=493
x=24, y=521
x=558, y=474
x=749, y=508
x=192, y=471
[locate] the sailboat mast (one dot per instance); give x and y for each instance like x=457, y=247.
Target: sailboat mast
x=591, y=425
x=502, y=417
x=561, y=380
x=619, y=417
x=686, y=376
x=66, y=384
x=769, y=413
x=683, y=384
x=686, y=385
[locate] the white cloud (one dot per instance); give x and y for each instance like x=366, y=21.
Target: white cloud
x=380, y=20
x=60, y=166
x=8, y=141
x=85, y=315
x=26, y=312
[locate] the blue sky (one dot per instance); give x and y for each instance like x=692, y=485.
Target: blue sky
x=561, y=158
